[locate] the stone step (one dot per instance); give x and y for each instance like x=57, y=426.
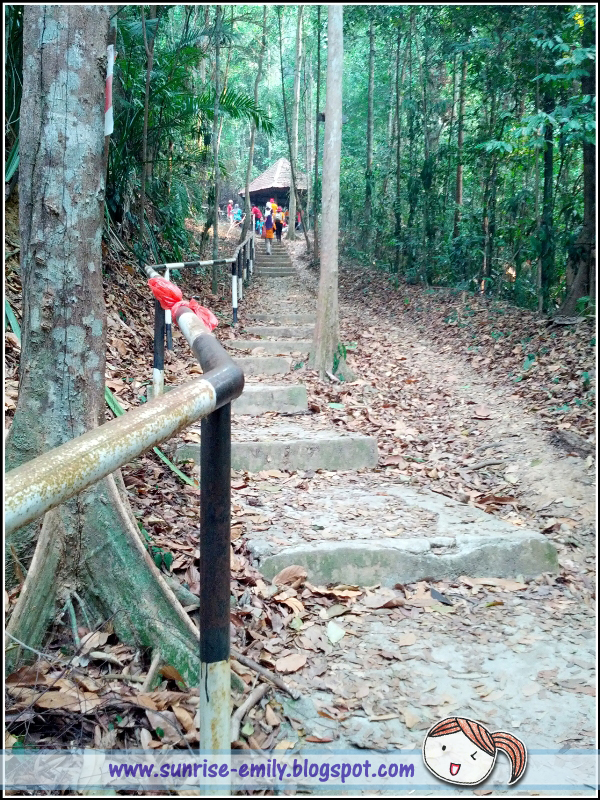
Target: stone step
x=291, y=446
x=289, y=346
x=400, y=536
x=275, y=273
x=259, y=398
x=263, y=365
x=273, y=263
x=281, y=332
x=284, y=318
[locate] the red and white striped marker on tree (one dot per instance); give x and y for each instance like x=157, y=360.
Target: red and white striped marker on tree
x=108, y=104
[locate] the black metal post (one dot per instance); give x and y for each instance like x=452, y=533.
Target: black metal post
x=215, y=575
x=158, y=371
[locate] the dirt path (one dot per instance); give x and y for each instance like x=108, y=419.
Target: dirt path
x=512, y=656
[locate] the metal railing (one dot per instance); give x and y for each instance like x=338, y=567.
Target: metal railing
x=49, y=480
x=242, y=269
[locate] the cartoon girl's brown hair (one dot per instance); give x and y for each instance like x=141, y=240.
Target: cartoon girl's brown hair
x=486, y=741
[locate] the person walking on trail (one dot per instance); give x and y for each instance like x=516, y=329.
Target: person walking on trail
x=268, y=232
x=229, y=210
x=257, y=217
x=278, y=223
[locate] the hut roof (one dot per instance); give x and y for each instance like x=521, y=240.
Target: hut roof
x=277, y=176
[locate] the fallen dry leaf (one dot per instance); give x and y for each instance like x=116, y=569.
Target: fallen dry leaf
x=290, y=575
x=291, y=663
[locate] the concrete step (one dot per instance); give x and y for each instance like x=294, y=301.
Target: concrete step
x=275, y=273
x=263, y=365
x=399, y=536
x=281, y=332
x=273, y=263
x=291, y=446
x=259, y=398
x=289, y=346
x=283, y=318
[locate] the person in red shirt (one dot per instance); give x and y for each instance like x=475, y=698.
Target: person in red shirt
x=229, y=209
x=257, y=215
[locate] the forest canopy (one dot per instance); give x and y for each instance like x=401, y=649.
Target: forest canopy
x=464, y=144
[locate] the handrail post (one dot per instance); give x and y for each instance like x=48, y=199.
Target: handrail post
x=215, y=571
x=239, y=275
x=251, y=264
x=245, y=262
x=234, y=298
x=158, y=367
x=168, y=320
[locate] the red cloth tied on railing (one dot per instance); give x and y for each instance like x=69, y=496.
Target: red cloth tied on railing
x=165, y=292
x=171, y=299
x=205, y=314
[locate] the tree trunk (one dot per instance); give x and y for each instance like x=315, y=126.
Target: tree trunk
x=326, y=328
x=263, y=47
x=369, y=170
x=547, y=230
x=458, y=198
x=293, y=181
x=149, y=47
x=89, y=547
x=215, y=145
x=308, y=87
x=391, y=131
x=225, y=79
x=538, y=219
x=316, y=193
x=450, y=127
x=397, y=208
x=295, y=109
x=583, y=260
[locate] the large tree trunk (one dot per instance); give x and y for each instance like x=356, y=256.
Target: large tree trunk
x=215, y=146
x=326, y=328
x=263, y=47
x=88, y=549
x=295, y=112
x=582, y=263
x=458, y=198
x=369, y=169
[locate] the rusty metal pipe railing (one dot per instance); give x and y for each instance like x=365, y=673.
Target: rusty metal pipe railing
x=49, y=480
x=45, y=482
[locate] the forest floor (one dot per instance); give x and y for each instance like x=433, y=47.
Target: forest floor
x=477, y=426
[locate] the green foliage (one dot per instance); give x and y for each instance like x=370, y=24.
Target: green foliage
x=180, y=116
x=517, y=57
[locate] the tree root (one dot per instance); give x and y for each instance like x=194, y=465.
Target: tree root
x=91, y=545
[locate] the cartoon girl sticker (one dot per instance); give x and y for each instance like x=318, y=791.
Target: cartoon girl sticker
x=462, y=751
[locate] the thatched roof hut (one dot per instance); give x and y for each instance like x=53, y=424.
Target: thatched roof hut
x=274, y=183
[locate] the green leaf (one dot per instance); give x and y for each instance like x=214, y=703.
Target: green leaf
x=160, y=733
x=336, y=405
x=158, y=557
x=248, y=729
x=12, y=162
x=168, y=560
x=12, y=320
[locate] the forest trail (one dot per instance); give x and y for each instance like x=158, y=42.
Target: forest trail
x=379, y=665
